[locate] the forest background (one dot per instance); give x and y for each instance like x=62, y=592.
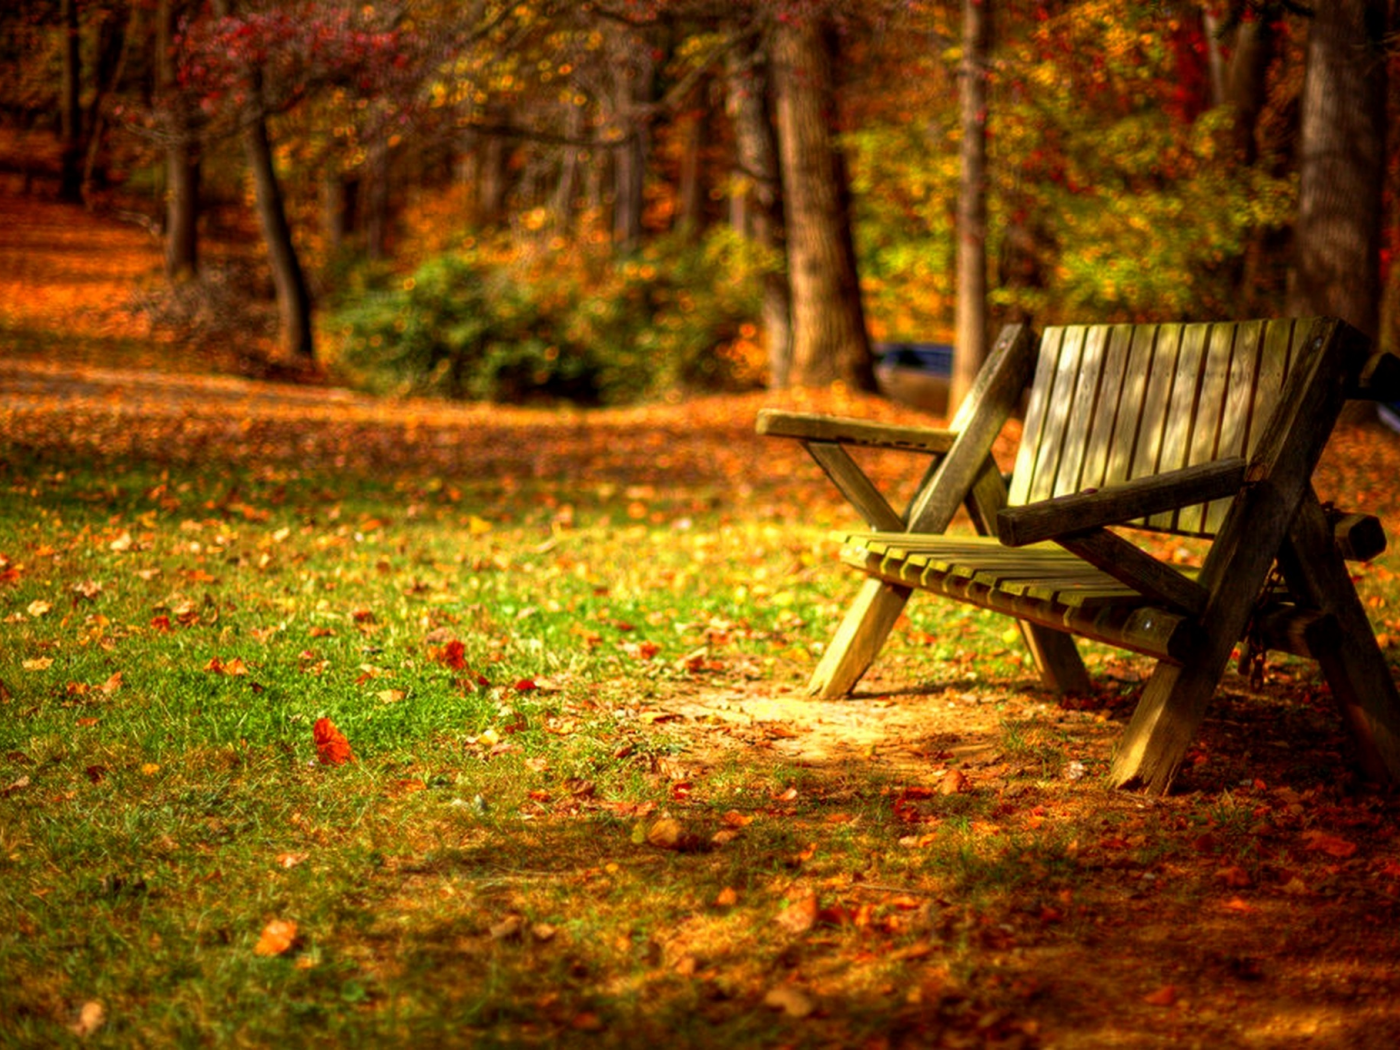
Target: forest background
x=604, y=201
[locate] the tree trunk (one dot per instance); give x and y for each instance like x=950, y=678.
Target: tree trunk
x=1342, y=165
x=690, y=189
x=1247, y=90
x=757, y=208
x=293, y=295
x=635, y=85
x=970, y=343
x=379, y=218
x=829, y=340
x=181, y=154
x=70, y=186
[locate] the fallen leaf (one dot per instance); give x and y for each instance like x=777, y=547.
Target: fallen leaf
x=799, y=916
x=1331, y=845
x=727, y=897
x=91, y=1016
x=954, y=782
x=669, y=833
x=543, y=931
x=41, y=663
x=290, y=860
x=38, y=608
x=331, y=746
x=278, y=937
x=790, y=999
x=508, y=929
x=391, y=696
x=1163, y=996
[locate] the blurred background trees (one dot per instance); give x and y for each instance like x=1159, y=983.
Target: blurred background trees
x=613, y=199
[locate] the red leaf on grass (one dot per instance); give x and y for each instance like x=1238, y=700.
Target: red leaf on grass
x=331, y=746
x=1331, y=845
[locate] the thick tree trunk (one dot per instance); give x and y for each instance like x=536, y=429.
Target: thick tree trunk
x=829, y=340
x=970, y=343
x=1342, y=165
x=758, y=211
x=690, y=189
x=70, y=186
x=379, y=219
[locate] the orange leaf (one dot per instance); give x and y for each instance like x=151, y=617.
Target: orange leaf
x=453, y=655
x=331, y=746
x=799, y=916
x=1329, y=844
x=1163, y=996
x=278, y=937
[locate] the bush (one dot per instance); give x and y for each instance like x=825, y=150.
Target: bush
x=476, y=323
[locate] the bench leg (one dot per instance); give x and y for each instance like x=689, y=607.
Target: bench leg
x=1351, y=661
x=1166, y=719
x=1057, y=658
x=857, y=641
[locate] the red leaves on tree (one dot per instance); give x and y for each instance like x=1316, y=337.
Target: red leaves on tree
x=331, y=746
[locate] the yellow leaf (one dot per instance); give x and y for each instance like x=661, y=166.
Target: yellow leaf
x=38, y=608
x=41, y=663
x=478, y=526
x=391, y=696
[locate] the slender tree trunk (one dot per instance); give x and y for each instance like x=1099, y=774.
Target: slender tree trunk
x=829, y=340
x=70, y=187
x=181, y=153
x=293, y=294
x=690, y=191
x=566, y=191
x=758, y=213
x=971, y=339
x=493, y=173
x=634, y=86
x=1247, y=83
x=1342, y=164
x=379, y=219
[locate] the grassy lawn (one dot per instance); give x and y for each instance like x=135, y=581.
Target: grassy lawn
x=588, y=802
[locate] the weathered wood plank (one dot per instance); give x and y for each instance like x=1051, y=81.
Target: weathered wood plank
x=1037, y=411
x=1057, y=415
x=1152, y=419
x=1181, y=410
x=1118, y=504
x=852, y=482
x=1212, y=396
x=1084, y=409
x=1351, y=660
x=804, y=426
x=1099, y=443
x=1132, y=399
x=1137, y=569
x=1241, y=396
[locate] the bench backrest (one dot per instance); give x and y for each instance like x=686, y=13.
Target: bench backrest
x=1114, y=402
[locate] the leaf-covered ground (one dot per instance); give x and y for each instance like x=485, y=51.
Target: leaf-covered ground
x=589, y=801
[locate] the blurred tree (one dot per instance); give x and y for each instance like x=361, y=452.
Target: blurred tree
x=970, y=341
x=1341, y=169
x=829, y=338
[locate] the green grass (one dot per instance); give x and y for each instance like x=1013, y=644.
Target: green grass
x=481, y=873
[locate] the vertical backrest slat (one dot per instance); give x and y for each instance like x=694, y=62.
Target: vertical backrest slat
x=1241, y=395
x=1099, y=445
x=1057, y=415
x=1211, y=414
x=1132, y=397
x=1115, y=402
x=1085, y=402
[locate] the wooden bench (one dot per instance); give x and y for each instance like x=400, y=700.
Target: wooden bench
x=1205, y=430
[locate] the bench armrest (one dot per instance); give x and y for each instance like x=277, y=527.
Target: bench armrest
x=1116, y=504
x=839, y=430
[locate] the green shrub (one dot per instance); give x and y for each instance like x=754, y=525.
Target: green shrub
x=481, y=324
